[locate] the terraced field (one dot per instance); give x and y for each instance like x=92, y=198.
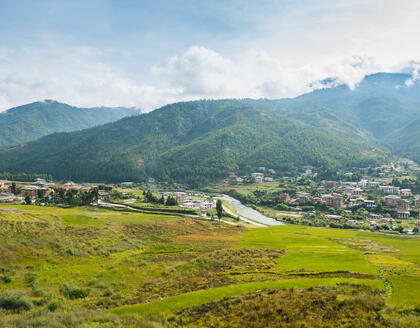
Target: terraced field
x=89, y=267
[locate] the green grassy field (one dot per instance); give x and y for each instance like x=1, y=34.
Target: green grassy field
x=90, y=267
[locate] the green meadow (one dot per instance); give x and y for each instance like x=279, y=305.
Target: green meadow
x=90, y=267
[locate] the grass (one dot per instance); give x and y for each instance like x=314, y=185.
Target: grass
x=186, y=300
x=128, y=262
x=314, y=249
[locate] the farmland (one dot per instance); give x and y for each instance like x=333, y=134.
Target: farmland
x=90, y=267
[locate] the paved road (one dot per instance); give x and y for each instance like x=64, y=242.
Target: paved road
x=113, y=205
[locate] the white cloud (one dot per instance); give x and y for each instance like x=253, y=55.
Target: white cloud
x=341, y=40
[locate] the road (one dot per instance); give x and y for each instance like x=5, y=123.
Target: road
x=113, y=205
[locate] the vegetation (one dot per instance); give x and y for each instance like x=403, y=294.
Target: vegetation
x=84, y=266
x=193, y=143
x=32, y=121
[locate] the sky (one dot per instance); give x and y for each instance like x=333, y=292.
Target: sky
x=145, y=54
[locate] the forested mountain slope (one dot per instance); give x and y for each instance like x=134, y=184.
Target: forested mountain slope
x=406, y=141
x=200, y=141
x=32, y=121
x=193, y=142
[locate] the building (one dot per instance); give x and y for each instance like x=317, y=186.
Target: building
x=357, y=192
x=392, y=200
x=331, y=184
x=257, y=177
x=40, y=182
x=405, y=193
x=72, y=186
x=336, y=218
x=372, y=184
x=333, y=200
x=302, y=196
x=387, y=220
x=403, y=205
x=34, y=191
x=369, y=203
x=357, y=201
x=103, y=195
x=268, y=179
x=284, y=197
x=390, y=190
x=403, y=209
x=417, y=202
x=271, y=171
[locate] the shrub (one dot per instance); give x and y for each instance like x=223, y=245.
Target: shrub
x=54, y=304
x=14, y=301
x=30, y=278
x=73, y=292
x=6, y=279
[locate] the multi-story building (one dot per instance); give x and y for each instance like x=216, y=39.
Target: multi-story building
x=392, y=200
x=258, y=177
x=333, y=200
x=390, y=190
x=284, y=197
x=331, y=184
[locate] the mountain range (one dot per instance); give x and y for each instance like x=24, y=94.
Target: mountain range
x=198, y=142
x=32, y=121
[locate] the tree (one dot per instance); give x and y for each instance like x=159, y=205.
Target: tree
x=28, y=200
x=219, y=209
x=13, y=188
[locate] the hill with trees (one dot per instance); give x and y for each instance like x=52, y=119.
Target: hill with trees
x=194, y=142
x=32, y=121
x=200, y=141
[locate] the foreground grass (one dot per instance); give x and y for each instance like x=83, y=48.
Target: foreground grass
x=186, y=300
x=312, y=249
x=59, y=265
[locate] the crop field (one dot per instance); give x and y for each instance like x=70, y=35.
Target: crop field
x=90, y=267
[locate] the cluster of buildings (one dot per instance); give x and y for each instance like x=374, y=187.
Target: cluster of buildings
x=339, y=195
x=38, y=188
x=198, y=202
x=264, y=175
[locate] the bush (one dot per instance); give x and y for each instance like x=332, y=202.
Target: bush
x=72, y=292
x=6, y=279
x=30, y=278
x=54, y=304
x=14, y=301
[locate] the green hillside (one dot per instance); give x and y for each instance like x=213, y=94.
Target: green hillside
x=200, y=141
x=406, y=141
x=35, y=120
x=193, y=142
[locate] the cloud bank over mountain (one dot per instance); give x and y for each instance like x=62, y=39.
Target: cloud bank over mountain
x=268, y=51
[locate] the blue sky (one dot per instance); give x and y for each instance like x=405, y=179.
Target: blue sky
x=149, y=53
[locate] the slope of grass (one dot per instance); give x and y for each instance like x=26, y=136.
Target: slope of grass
x=186, y=300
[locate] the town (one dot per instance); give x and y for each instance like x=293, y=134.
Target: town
x=386, y=197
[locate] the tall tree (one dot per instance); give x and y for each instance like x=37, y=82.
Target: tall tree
x=13, y=188
x=219, y=209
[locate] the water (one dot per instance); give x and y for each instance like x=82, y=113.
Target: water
x=250, y=213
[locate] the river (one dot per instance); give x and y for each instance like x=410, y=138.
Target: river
x=249, y=212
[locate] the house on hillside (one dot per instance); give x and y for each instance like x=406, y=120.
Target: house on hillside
x=390, y=190
x=369, y=203
x=333, y=200
x=284, y=197
x=331, y=184
x=392, y=200
x=405, y=193
x=257, y=177
x=357, y=192
x=403, y=209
